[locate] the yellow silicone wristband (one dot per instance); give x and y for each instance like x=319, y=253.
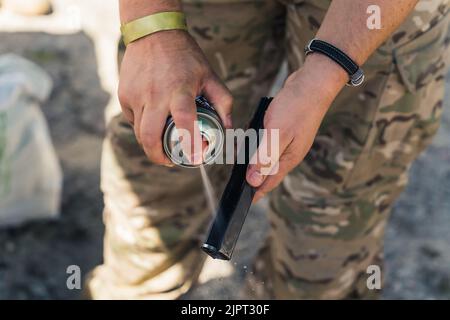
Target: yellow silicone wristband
x=145, y=26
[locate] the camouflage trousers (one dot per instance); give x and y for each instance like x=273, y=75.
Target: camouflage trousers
x=328, y=216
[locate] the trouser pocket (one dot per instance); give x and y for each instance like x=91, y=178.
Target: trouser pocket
x=426, y=58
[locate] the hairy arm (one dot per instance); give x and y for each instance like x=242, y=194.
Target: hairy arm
x=133, y=9
x=345, y=25
x=300, y=106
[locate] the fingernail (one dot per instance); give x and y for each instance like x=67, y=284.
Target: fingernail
x=256, y=178
x=169, y=165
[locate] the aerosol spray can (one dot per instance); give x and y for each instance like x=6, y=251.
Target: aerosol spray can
x=211, y=130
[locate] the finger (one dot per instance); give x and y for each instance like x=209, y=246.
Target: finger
x=151, y=127
x=133, y=117
x=129, y=115
x=285, y=165
x=127, y=111
x=184, y=113
x=137, y=123
x=222, y=100
x=266, y=160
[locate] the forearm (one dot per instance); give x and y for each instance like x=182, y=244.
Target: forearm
x=133, y=9
x=299, y=108
x=345, y=26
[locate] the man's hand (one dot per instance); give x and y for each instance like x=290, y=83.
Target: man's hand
x=162, y=74
x=296, y=112
x=300, y=106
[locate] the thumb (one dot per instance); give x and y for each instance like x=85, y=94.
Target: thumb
x=265, y=161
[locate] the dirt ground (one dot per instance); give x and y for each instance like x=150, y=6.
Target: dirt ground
x=34, y=257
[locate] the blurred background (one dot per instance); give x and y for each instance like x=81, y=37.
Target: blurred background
x=75, y=43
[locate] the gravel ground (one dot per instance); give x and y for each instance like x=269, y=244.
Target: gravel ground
x=34, y=257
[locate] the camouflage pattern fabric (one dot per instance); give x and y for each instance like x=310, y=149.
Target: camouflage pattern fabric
x=328, y=216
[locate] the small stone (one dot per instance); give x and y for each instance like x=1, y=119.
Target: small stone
x=430, y=252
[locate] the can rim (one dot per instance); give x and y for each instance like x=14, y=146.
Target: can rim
x=214, y=118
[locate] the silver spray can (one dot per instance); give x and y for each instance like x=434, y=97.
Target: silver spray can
x=211, y=129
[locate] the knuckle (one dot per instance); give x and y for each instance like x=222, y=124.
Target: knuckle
x=153, y=92
x=123, y=95
x=128, y=114
x=183, y=78
x=227, y=100
x=149, y=141
x=180, y=79
x=156, y=158
x=183, y=117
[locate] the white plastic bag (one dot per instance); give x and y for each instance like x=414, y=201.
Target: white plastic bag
x=30, y=174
